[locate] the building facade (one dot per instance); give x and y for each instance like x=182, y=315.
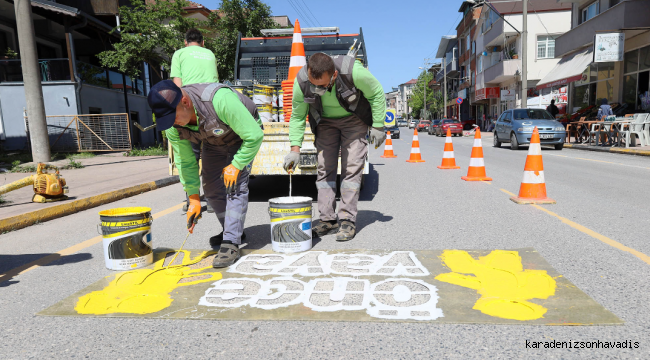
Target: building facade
x=449, y=77
x=605, y=55
x=404, y=93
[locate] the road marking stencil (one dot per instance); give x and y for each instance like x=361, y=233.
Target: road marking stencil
x=444, y=286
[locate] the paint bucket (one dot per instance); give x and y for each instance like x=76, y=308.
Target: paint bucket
x=274, y=114
x=127, y=237
x=265, y=112
x=262, y=94
x=290, y=223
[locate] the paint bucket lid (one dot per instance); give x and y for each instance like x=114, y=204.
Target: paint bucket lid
x=127, y=211
x=286, y=200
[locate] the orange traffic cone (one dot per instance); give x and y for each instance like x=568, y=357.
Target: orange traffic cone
x=448, y=160
x=388, y=148
x=297, y=61
x=415, y=149
x=533, y=187
x=476, y=170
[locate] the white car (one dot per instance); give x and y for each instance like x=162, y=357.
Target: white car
x=413, y=123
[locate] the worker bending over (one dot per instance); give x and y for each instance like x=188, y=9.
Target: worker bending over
x=343, y=100
x=228, y=124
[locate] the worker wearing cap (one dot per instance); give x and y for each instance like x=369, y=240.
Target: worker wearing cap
x=228, y=124
x=344, y=101
x=194, y=64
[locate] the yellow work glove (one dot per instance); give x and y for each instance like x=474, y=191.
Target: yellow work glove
x=229, y=176
x=193, y=212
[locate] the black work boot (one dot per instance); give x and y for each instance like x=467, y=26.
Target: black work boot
x=216, y=240
x=347, y=231
x=227, y=255
x=325, y=228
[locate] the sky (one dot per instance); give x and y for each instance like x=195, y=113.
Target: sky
x=399, y=35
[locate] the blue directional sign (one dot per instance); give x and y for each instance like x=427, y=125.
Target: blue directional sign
x=390, y=117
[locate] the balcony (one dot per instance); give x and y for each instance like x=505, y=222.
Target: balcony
x=452, y=68
x=630, y=14
x=51, y=70
x=496, y=35
x=502, y=71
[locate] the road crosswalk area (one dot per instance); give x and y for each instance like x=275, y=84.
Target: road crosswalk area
x=439, y=286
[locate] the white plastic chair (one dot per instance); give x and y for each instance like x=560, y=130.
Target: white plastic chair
x=636, y=129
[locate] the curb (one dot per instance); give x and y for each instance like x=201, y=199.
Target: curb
x=609, y=150
x=53, y=212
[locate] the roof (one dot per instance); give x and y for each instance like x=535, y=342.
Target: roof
x=412, y=81
x=444, y=43
x=534, y=6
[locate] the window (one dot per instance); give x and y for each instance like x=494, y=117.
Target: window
x=545, y=47
x=469, y=43
x=473, y=47
x=479, y=66
x=589, y=12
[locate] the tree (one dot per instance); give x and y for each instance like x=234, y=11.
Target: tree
x=149, y=32
x=247, y=17
x=417, y=97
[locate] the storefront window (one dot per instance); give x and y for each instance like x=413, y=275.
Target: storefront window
x=644, y=62
x=580, y=97
x=605, y=71
x=605, y=89
x=631, y=61
x=629, y=91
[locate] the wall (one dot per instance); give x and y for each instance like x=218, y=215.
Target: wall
x=12, y=102
x=111, y=101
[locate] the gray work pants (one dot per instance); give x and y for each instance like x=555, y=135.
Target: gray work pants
x=230, y=209
x=349, y=135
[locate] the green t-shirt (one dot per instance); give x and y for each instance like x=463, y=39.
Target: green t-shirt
x=234, y=114
x=332, y=109
x=194, y=65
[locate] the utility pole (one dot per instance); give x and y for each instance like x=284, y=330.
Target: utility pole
x=444, y=66
x=32, y=81
x=426, y=83
x=524, y=59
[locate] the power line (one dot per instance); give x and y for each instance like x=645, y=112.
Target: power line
x=300, y=14
x=312, y=14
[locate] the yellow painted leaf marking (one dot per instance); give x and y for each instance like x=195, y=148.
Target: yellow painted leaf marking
x=501, y=281
x=144, y=291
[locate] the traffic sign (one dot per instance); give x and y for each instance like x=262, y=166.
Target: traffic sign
x=390, y=117
x=459, y=101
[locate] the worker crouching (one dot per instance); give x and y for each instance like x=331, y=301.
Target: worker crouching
x=228, y=125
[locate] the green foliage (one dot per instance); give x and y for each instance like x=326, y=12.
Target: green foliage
x=72, y=165
x=247, y=17
x=10, y=53
x=149, y=32
x=150, y=151
x=153, y=31
x=3, y=200
x=93, y=75
x=434, y=98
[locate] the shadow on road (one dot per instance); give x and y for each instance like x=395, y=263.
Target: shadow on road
x=12, y=265
x=369, y=217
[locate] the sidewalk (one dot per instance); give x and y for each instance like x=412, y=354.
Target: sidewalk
x=104, y=178
x=637, y=150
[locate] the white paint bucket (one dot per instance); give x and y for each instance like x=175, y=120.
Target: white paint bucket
x=262, y=94
x=126, y=234
x=265, y=112
x=290, y=223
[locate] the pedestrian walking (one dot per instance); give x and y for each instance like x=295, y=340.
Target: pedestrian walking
x=344, y=101
x=553, y=109
x=194, y=64
x=228, y=125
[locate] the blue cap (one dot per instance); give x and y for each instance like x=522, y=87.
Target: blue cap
x=163, y=100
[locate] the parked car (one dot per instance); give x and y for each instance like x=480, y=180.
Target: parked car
x=402, y=122
x=394, y=131
x=468, y=124
x=423, y=125
x=516, y=127
x=413, y=123
x=454, y=126
x=433, y=126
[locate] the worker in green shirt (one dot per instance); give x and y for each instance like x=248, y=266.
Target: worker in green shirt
x=228, y=124
x=194, y=64
x=344, y=102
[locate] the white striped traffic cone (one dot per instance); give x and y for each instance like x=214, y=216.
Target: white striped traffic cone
x=388, y=147
x=533, y=185
x=415, y=149
x=448, y=159
x=476, y=170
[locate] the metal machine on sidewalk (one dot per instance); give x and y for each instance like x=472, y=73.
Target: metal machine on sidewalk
x=48, y=187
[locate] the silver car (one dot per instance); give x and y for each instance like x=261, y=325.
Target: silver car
x=516, y=127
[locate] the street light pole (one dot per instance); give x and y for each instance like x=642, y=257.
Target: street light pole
x=40, y=142
x=444, y=66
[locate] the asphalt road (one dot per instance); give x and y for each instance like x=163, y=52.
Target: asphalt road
x=403, y=206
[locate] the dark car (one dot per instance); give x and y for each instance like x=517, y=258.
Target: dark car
x=433, y=127
x=394, y=131
x=516, y=127
x=423, y=125
x=454, y=126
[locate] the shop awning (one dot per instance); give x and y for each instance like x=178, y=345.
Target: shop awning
x=569, y=69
